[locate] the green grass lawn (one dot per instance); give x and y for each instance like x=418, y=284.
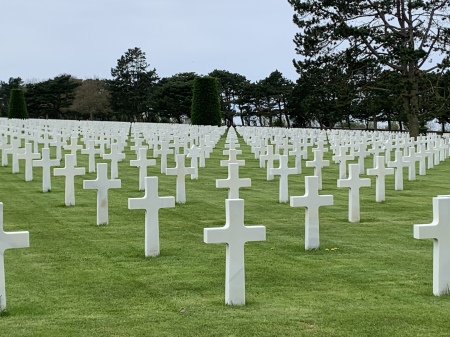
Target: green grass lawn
x=80, y=279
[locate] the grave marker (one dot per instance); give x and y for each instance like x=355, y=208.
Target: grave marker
x=152, y=203
x=312, y=201
x=233, y=182
x=354, y=183
x=28, y=155
x=380, y=171
x=235, y=234
x=283, y=171
x=439, y=231
x=102, y=184
x=142, y=162
x=69, y=171
x=46, y=163
x=180, y=170
x=8, y=240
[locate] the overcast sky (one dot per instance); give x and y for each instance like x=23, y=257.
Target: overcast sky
x=44, y=38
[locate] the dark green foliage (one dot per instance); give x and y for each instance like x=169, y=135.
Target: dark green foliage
x=51, y=98
x=132, y=85
x=205, y=109
x=420, y=36
x=5, y=89
x=17, y=107
x=171, y=98
x=230, y=91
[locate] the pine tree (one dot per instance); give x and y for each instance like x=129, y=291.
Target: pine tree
x=205, y=109
x=17, y=107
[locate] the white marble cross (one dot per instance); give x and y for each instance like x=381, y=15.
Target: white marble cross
x=28, y=156
x=152, y=203
x=312, y=201
x=180, y=170
x=142, y=162
x=163, y=150
x=318, y=163
x=361, y=153
x=46, y=163
x=233, y=182
x=5, y=147
x=411, y=159
x=69, y=171
x=57, y=141
x=194, y=153
x=269, y=156
x=342, y=157
x=439, y=230
x=102, y=184
x=8, y=241
x=354, y=183
x=235, y=234
x=380, y=171
x=73, y=147
x=399, y=163
x=299, y=152
x=91, y=151
x=15, y=150
x=232, y=158
x=283, y=171
x=115, y=156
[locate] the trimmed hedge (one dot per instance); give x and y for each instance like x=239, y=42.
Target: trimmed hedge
x=17, y=107
x=205, y=109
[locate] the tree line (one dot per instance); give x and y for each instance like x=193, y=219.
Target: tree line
x=361, y=63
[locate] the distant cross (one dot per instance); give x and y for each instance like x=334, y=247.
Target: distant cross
x=102, y=184
x=299, y=152
x=142, y=162
x=421, y=155
x=411, y=159
x=5, y=147
x=235, y=234
x=233, y=182
x=57, y=141
x=15, y=150
x=137, y=144
x=73, y=147
x=194, y=153
x=115, y=156
x=204, y=152
x=399, y=163
x=232, y=154
x=342, y=157
x=283, y=171
x=46, y=163
x=318, y=163
x=380, y=171
x=152, y=203
x=354, y=183
x=163, y=150
x=8, y=241
x=269, y=157
x=361, y=153
x=69, y=171
x=28, y=156
x=439, y=231
x=91, y=151
x=312, y=201
x=180, y=170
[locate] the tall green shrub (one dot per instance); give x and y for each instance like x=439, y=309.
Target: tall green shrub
x=205, y=109
x=17, y=107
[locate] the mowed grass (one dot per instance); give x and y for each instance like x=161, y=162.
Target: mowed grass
x=80, y=279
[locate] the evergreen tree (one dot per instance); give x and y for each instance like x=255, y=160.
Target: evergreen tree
x=205, y=109
x=17, y=107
